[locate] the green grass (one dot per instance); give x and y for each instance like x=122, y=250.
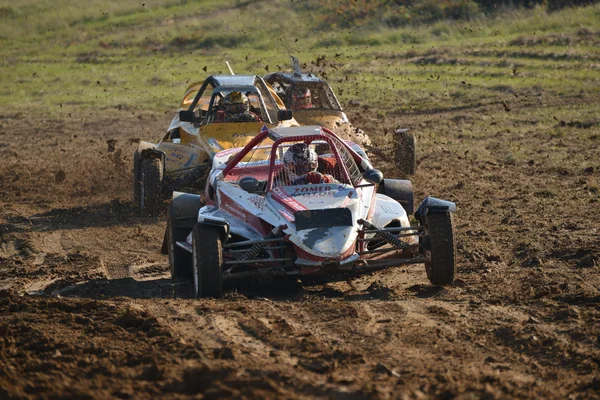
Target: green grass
x=64, y=55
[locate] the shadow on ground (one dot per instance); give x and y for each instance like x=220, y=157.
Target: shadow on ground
x=274, y=290
x=113, y=213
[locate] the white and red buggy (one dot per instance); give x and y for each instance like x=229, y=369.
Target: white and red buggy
x=255, y=222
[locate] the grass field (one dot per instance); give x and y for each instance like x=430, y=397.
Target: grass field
x=62, y=56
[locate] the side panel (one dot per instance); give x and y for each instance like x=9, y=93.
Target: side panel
x=327, y=118
x=249, y=209
x=235, y=226
x=220, y=136
x=182, y=157
x=399, y=190
x=387, y=210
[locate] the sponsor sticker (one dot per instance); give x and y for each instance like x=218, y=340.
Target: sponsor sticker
x=313, y=191
x=193, y=157
x=258, y=202
x=286, y=214
x=282, y=197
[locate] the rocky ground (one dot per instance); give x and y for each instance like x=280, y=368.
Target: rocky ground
x=88, y=309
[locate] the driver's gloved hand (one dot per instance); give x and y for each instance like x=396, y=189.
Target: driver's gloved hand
x=315, y=177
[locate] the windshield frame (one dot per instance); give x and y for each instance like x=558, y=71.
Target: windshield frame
x=222, y=91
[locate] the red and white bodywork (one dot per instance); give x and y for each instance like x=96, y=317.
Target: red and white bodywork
x=299, y=229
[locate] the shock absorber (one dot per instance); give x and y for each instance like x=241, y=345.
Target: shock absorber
x=385, y=235
x=258, y=247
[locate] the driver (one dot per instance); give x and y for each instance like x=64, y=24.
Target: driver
x=302, y=99
x=236, y=109
x=300, y=167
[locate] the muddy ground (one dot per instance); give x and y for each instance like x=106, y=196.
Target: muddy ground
x=87, y=308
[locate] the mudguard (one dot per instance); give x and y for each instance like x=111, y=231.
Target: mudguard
x=431, y=205
x=184, y=209
x=222, y=224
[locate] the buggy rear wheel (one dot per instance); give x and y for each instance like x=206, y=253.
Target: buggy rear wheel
x=406, y=145
x=208, y=261
x=440, y=251
x=151, y=198
x=180, y=260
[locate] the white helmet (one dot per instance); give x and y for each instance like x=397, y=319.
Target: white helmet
x=300, y=159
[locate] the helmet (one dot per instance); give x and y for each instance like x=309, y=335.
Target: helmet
x=302, y=98
x=300, y=159
x=236, y=103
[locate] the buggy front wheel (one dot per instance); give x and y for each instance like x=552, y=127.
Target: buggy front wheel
x=208, y=261
x=180, y=260
x=440, y=248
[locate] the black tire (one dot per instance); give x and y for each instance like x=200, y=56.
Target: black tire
x=441, y=251
x=180, y=260
x=151, y=198
x=406, y=159
x=137, y=176
x=399, y=190
x=208, y=261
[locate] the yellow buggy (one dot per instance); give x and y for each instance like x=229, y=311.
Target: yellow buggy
x=313, y=102
x=183, y=156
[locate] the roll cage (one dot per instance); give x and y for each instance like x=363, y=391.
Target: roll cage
x=285, y=84
x=352, y=165
x=215, y=81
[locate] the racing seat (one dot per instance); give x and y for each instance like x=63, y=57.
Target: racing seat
x=328, y=165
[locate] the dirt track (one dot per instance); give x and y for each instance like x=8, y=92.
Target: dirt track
x=87, y=309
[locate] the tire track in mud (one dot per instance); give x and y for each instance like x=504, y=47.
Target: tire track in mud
x=302, y=333
x=262, y=335
x=287, y=345
x=231, y=333
x=330, y=342
x=114, y=272
x=321, y=337
x=250, y=336
x=520, y=337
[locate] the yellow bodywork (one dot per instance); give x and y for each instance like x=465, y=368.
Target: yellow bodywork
x=196, y=145
x=327, y=118
x=222, y=136
x=193, y=149
x=187, y=145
